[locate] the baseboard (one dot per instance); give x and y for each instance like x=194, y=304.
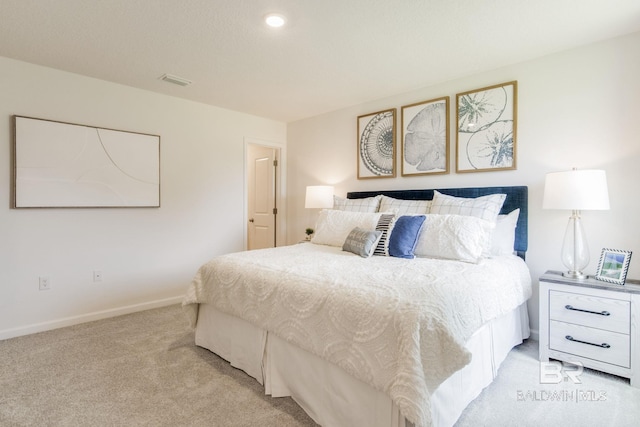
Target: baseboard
x=535, y=336
x=87, y=317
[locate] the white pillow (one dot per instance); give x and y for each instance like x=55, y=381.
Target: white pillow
x=334, y=226
x=456, y=237
x=504, y=235
x=404, y=207
x=368, y=204
x=485, y=207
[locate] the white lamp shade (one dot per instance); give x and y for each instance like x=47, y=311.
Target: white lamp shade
x=576, y=190
x=319, y=197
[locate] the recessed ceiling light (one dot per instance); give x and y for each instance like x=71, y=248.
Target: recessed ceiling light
x=275, y=20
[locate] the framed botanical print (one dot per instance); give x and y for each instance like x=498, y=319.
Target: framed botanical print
x=425, y=138
x=486, y=128
x=377, y=145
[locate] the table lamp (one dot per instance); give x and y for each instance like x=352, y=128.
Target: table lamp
x=319, y=197
x=576, y=190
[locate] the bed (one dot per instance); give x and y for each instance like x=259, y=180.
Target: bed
x=377, y=340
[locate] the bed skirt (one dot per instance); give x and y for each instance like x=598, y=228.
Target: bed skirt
x=330, y=396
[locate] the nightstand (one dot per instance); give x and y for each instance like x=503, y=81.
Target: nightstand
x=591, y=322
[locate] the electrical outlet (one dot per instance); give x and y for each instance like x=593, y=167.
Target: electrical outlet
x=97, y=276
x=45, y=283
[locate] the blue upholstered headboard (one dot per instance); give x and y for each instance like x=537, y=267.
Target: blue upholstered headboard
x=517, y=197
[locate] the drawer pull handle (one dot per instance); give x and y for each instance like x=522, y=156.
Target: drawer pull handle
x=601, y=313
x=603, y=345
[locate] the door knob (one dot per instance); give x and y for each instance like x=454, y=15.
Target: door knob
x=250, y=219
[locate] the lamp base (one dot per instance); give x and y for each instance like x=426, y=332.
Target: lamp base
x=575, y=251
x=577, y=275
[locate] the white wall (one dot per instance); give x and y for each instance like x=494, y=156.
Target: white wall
x=147, y=256
x=578, y=108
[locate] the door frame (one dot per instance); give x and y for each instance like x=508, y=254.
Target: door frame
x=280, y=189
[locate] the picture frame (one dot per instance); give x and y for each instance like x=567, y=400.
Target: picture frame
x=486, y=136
x=376, y=145
x=613, y=266
x=425, y=138
x=65, y=165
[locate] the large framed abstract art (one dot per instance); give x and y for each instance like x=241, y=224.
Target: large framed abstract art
x=486, y=128
x=64, y=165
x=425, y=138
x=377, y=145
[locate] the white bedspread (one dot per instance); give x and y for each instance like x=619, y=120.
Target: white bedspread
x=399, y=325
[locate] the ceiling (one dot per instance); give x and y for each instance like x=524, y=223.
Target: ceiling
x=331, y=54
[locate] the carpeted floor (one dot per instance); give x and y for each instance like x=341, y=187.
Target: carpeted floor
x=143, y=369
x=518, y=398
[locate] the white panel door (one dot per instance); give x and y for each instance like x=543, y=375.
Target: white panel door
x=261, y=226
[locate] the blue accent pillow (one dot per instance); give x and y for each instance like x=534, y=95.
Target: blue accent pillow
x=404, y=236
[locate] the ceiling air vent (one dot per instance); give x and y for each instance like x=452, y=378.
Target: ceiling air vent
x=175, y=80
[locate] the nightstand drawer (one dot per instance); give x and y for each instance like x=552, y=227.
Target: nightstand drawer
x=606, y=346
x=597, y=312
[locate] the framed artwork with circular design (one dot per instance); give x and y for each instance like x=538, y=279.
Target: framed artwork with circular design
x=377, y=145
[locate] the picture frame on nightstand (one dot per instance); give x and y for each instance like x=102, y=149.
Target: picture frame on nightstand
x=613, y=266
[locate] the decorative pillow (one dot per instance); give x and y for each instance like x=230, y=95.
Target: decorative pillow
x=403, y=207
x=368, y=204
x=404, y=236
x=361, y=242
x=334, y=226
x=457, y=237
x=485, y=207
x=385, y=223
x=504, y=235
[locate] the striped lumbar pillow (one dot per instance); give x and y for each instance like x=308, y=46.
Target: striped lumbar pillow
x=385, y=223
